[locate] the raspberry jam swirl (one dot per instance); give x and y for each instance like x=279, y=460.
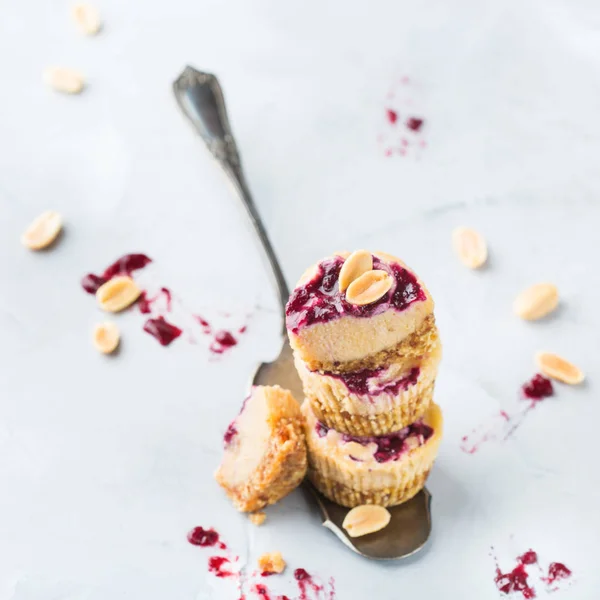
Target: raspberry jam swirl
x=320, y=300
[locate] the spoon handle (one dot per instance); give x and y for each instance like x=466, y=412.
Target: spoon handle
x=201, y=99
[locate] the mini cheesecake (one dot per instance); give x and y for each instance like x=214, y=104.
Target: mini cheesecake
x=373, y=401
x=385, y=313
x=265, y=450
x=385, y=470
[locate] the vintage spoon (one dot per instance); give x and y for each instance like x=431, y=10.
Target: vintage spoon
x=200, y=97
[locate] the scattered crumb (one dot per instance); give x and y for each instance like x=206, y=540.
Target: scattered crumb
x=257, y=518
x=271, y=562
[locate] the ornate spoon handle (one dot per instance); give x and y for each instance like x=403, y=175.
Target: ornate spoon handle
x=200, y=97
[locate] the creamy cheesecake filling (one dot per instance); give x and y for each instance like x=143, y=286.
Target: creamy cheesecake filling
x=319, y=300
x=246, y=439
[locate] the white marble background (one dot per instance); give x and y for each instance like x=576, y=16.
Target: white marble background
x=106, y=464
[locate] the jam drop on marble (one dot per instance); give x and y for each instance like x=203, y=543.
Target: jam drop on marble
x=203, y=537
x=145, y=303
x=320, y=300
x=358, y=381
x=261, y=591
x=219, y=566
x=306, y=582
x=514, y=581
x=557, y=571
x=414, y=124
x=529, y=558
x=389, y=447
x=538, y=388
x=222, y=342
x=206, y=328
x=162, y=330
x=301, y=574
x=90, y=283
x=517, y=579
x=125, y=265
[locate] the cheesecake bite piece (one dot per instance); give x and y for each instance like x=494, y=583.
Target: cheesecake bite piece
x=265, y=450
x=386, y=470
x=373, y=401
x=352, y=313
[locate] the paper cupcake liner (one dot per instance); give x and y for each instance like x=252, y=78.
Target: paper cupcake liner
x=349, y=497
x=408, y=411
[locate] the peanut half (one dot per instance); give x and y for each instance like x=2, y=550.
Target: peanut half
x=106, y=337
x=369, y=287
x=354, y=266
x=558, y=368
x=86, y=18
x=536, y=301
x=359, y=451
x=117, y=294
x=67, y=81
x=365, y=519
x=470, y=247
x=42, y=231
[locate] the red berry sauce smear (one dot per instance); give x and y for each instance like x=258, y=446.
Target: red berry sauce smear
x=205, y=538
x=162, y=330
x=222, y=340
x=158, y=327
x=504, y=425
x=517, y=581
x=538, y=388
x=219, y=566
x=556, y=572
x=146, y=303
x=402, y=131
x=125, y=265
x=223, y=567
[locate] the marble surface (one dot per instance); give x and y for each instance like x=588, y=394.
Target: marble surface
x=105, y=464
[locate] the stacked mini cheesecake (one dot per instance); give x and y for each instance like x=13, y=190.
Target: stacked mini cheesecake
x=367, y=351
